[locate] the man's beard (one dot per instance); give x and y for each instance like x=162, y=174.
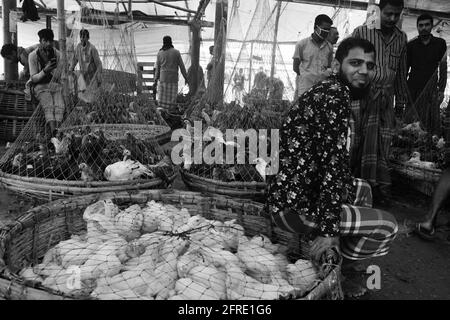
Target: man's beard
x=355, y=93
x=424, y=35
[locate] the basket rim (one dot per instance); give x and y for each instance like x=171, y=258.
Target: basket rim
x=77, y=183
x=119, y=125
x=223, y=183
x=397, y=163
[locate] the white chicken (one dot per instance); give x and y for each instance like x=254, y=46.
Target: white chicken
x=126, y=170
x=61, y=146
x=17, y=160
x=261, y=167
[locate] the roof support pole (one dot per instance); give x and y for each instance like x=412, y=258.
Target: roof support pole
x=11, y=72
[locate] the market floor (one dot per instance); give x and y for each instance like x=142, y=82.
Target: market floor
x=414, y=269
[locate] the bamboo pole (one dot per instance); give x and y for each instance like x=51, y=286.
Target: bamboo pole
x=195, y=58
x=220, y=35
x=275, y=36
x=11, y=71
x=130, y=10
x=48, y=21
x=62, y=46
x=251, y=68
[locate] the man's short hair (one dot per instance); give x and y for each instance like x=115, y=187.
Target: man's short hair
x=84, y=32
x=167, y=40
x=322, y=18
x=395, y=3
x=46, y=34
x=349, y=43
x=425, y=16
x=8, y=49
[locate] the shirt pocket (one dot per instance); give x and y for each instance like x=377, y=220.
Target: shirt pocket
x=393, y=61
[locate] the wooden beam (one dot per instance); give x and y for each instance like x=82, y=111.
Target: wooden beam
x=62, y=47
x=48, y=21
x=10, y=68
x=138, y=18
x=359, y=5
x=193, y=75
x=220, y=36
x=274, y=46
x=172, y=6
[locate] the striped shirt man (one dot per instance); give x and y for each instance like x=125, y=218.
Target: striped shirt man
x=377, y=118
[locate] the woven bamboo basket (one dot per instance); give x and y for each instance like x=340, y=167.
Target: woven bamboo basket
x=26, y=240
x=11, y=126
x=423, y=180
x=247, y=190
x=13, y=103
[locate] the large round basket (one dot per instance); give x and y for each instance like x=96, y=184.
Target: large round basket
x=50, y=189
x=247, y=190
x=25, y=241
x=420, y=179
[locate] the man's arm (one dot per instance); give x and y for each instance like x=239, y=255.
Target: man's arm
x=157, y=68
x=409, y=49
x=97, y=61
x=401, y=86
x=36, y=75
x=74, y=61
x=298, y=54
x=182, y=67
x=296, y=66
x=443, y=71
x=335, y=159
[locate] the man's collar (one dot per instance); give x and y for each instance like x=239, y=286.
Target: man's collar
x=320, y=45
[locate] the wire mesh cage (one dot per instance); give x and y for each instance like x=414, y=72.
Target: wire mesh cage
x=157, y=244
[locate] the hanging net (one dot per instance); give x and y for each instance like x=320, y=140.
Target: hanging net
x=105, y=124
x=239, y=108
x=256, y=70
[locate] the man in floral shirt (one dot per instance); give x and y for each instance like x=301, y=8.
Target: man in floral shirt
x=310, y=193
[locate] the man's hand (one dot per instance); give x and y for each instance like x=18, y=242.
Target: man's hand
x=321, y=245
x=50, y=66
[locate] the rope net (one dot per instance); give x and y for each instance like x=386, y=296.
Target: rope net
x=159, y=251
x=251, y=99
x=252, y=57
x=107, y=132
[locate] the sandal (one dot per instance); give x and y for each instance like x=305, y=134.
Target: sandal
x=428, y=235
